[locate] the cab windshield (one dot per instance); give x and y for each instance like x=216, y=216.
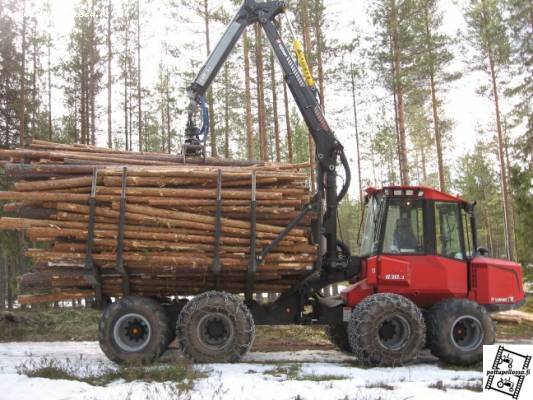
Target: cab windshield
x=369, y=238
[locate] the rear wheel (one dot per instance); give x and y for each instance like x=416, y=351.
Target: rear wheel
x=386, y=329
x=134, y=330
x=457, y=331
x=215, y=327
x=338, y=335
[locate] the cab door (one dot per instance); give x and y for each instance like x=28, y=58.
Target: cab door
x=449, y=248
x=423, y=254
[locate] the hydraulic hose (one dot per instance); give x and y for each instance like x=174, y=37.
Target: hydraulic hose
x=345, y=249
x=205, y=120
x=347, y=179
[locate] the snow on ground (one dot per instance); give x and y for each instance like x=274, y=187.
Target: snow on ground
x=253, y=378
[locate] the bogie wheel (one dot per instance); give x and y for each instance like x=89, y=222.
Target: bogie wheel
x=386, y=329
x=134, y=330
x=215, y=327
x=338, y=335
x=457, y=329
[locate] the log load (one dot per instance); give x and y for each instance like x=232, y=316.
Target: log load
x=169, y=238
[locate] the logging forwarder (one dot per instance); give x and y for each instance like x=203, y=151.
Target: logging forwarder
x=418, y=269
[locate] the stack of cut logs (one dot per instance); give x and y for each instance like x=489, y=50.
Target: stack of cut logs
x=169, y=231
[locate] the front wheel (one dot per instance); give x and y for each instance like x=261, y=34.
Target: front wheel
x=134, y=330
x=386, y=329
x=457, y=331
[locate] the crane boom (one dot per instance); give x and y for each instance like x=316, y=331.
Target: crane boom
x=328, y=149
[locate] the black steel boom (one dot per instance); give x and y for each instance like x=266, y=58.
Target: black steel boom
x=328, y=149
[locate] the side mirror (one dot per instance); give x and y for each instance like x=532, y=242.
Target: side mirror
x=469, y=207
x=482, y=251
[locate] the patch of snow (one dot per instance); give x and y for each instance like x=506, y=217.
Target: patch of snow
x=251, y=379
x=332, y=356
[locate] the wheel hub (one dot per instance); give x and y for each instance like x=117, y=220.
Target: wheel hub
x=467, y=333
x=394, y=332
x=387, y=330
x=136, y=330
x=132, y=332
x=215, y=329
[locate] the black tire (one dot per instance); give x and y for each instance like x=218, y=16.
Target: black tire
x=457, y=329
x=338, y=335
x=134, y=330
x=215, y=327
x=386, y=329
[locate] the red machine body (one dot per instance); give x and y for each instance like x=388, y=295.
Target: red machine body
x=429, y=277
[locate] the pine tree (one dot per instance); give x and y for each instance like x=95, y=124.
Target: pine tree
x=124, y=27
x=432, y=56
x=91, y=79
x=22, y=104
x=519, y=21
x=139, y=92
x=49, y=68
x=109, y=74
x=261, y=110
x=318, y=23
x=275, y=116
x=478, y=180
x=248, y=97
x=394, y=23
x=489, y=36
x=383, y=146
x=287, y=124
x=306, y=31
x=353, y=78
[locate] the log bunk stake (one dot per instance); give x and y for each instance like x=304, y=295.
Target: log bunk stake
x=218, y=228
x=119, y=266
x=92, y=273
x=252, y=263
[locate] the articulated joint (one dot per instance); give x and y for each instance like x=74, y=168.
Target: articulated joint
x=264, y=11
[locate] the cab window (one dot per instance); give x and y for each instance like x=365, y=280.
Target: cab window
x=467, y=234
x=447, y=230
x=404, y=229
x=369, y=238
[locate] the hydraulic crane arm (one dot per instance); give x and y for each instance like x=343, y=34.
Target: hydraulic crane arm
x=328, y=148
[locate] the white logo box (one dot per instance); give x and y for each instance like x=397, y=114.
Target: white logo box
x=506, y=371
